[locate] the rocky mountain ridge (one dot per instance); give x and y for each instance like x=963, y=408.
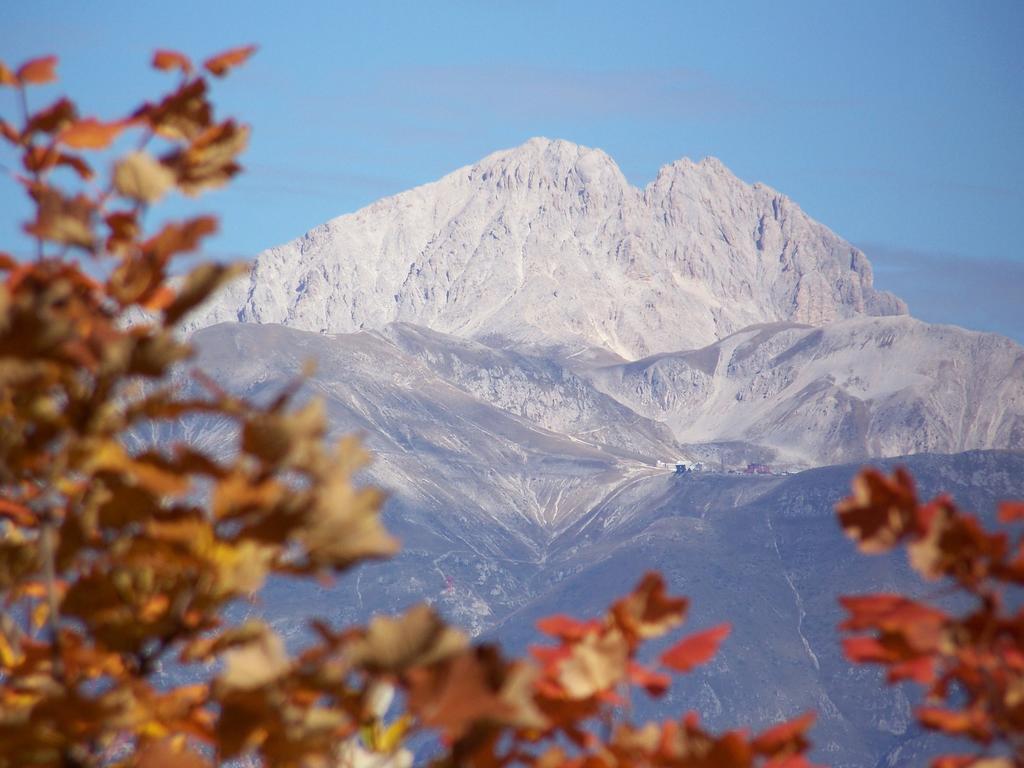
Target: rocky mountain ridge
x=548, y=244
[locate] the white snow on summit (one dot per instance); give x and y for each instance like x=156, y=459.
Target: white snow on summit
x=547, y=244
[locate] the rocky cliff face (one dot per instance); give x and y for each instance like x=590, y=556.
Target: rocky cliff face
x=852, y=390
x=548, y=244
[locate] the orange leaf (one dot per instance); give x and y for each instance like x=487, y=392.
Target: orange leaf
x=696, y=649
x=222, y=62
x=967, y=722
x=566, y=627
x=38, y=71
x=91, y=134
x=17, y=513
x=168, y=60
x=6, y=76
x=1011, y=511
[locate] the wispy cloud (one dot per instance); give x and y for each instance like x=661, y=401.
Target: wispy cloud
x=902, y=178
x=940, y=287
x=518, y=91
x=326, y=183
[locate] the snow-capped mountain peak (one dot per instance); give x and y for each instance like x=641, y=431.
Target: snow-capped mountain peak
x=548, y=244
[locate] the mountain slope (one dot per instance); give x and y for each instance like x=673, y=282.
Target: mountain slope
x=548, y=244
x=852, y=390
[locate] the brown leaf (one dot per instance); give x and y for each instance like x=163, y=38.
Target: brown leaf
x=9, y=132
x=124, y=229
x=416, y=638
x=475, y=687
x=62, y=220
x=170, y=753
x=182, y=115
x=256, y=663
x=200, y=283
x=209, y=161
x=183, y=237
x=648, y=611
x=77, y=164
x=54, y=118
x=880, y=511
x=220, y=64
x=595, y=664
x=140, y=177
x=38, y=71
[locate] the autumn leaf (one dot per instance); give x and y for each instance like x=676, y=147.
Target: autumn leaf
x=53, y=119
x=140, y=177
x=476, y=686
x=695, y=649
x=594, y=664
x=256, y=663
x=170, y=753
x=179, y=237
x=7, y=77
x=785, y=739
x=880, y=511
x=648, y=611
x=61, y=219
x=180, y=116
x=1011, y=512
x=394, y=644
x=90, y=134
x=220, y=64
x=38, y=71
x=209, y=160
x=169, y=60
x=199, y=284
x=568, y=628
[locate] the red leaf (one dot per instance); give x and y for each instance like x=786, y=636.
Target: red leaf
x=168, y=60
x=653, y=682
x=921, y=670
x=566, y=627
x=222, y=62
x=38, y=71
x=786, y=737
x=862, y=650
x=1011, y=511
x=695, y=649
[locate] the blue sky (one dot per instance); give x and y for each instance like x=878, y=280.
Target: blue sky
x=899, y=125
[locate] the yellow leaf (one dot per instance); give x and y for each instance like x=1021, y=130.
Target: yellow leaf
x=255, y=664
x=141, y=177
